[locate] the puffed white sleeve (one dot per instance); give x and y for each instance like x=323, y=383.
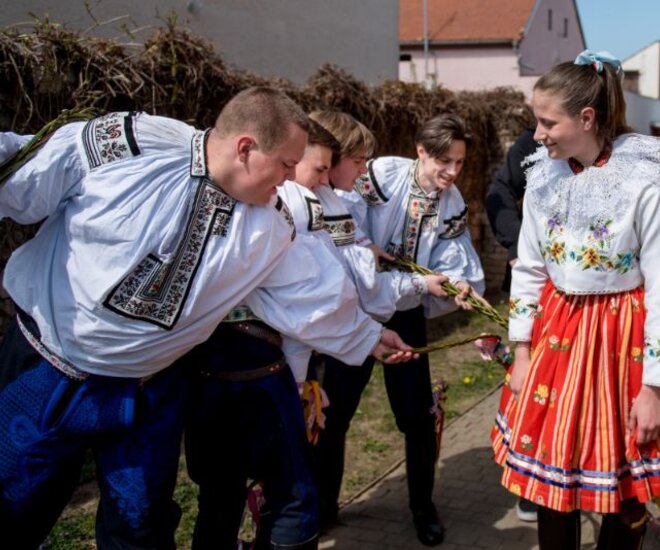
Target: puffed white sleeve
x=456, y=258
x=528, y=278
x=46, y=181
x=380, y=292
x=648, y=231
x=297, y=355
x=310, y=298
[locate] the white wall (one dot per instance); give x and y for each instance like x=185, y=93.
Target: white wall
x=288, y=38
x=641, y=112
x=647, y=62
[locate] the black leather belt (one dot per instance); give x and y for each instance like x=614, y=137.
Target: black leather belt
x=245, y=375
x=260, y=331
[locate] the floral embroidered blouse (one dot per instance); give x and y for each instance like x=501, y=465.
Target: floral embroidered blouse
x=593, y=230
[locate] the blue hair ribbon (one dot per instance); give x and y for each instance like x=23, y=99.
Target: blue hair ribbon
x=587, y=57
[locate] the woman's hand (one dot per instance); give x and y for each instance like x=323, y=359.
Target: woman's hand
x=645, y=415
x=520, y=368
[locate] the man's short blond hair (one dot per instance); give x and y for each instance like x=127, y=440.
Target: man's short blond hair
x=353, y=136
x=318, y=135
x=265, y=112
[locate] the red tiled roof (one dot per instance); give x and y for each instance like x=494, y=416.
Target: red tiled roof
x=464, y=20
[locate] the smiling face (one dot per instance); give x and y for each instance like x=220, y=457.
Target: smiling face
x=440, y=173
x=313, y=170
x=262, y=172
x=564, y=135
x=347, y=170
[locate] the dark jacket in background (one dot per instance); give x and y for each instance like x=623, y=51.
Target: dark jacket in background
x=505, y=195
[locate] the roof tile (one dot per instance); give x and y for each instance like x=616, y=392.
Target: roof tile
x=464, y=20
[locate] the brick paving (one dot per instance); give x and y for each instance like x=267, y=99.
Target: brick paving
x=476, y=510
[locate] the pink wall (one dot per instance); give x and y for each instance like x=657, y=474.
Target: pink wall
x=468, y=69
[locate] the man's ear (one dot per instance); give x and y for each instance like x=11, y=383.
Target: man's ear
x=244, y=144
x=588, y=118
x=421, y=152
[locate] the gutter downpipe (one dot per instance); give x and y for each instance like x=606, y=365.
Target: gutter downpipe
x=427, y=82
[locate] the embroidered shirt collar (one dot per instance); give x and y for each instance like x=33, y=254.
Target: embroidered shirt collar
x=601, y=159
x=198, y=167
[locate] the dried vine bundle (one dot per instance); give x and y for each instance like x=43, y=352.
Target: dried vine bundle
x=26, y=152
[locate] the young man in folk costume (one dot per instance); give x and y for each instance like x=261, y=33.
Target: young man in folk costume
x=409, y=208
x=153, y=231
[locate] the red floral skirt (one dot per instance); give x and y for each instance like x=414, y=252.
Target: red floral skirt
x=563, y=444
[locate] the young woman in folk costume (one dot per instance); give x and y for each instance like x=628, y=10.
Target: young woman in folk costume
x=579, y=421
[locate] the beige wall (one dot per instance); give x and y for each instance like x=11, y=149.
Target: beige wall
x=647, y=63
x=288, y=38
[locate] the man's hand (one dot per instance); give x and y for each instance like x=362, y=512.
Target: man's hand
x=466, y=292
x=391, y=349
x=461, y=299
x=645, y=415
x=434, y=284
x=379, y=253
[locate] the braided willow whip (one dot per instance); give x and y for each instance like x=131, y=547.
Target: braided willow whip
x=446, y=345
x=28, y=150
x=482, y=307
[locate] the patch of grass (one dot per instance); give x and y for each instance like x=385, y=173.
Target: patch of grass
x=185, y=495
x=375, y=446
x=470, y=382
x=73, y=532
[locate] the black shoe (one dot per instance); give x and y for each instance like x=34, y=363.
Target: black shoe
x=328, y=518
x=430, y=530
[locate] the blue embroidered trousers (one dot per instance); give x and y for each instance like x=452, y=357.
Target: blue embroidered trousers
x=49, y=421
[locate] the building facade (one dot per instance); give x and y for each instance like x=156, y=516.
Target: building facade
x=481, y=44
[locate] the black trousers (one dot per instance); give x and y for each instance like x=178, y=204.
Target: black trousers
x=409, y=391
x=622, y=531
x=237, y=430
